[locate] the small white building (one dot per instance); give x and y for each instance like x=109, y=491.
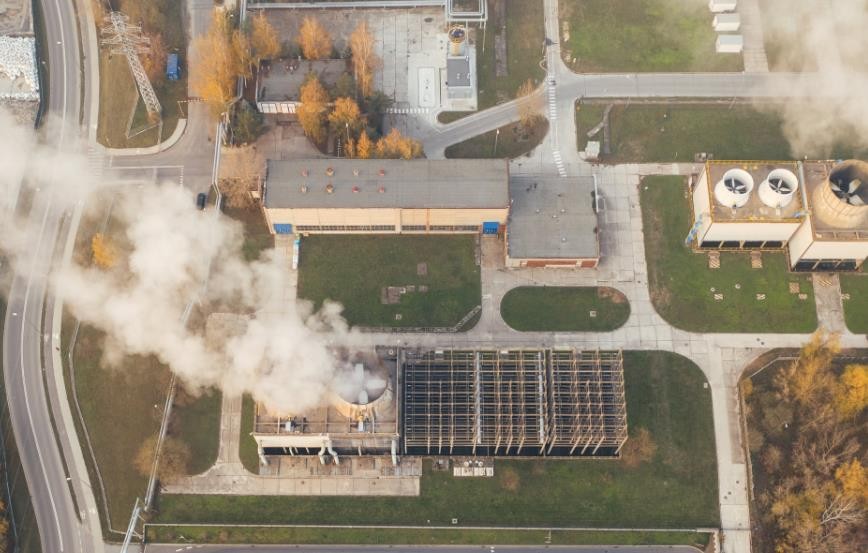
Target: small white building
x=726, y=22
x=720, y=6
x=729, y=44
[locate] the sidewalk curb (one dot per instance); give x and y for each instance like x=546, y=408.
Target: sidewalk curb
x=165, y=145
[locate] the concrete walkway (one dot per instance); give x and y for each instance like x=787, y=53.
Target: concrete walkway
x=755, y=60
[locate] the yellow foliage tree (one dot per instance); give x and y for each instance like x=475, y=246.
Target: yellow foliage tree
x=395, y=145
x=364, y=146
x=346, y=115
x=314, y=40
x=103, y=252
x=312, y=111
x=851, y=394
x=853, y=479
x=263, y=39
x=215, y=65
x=243, y=53
x=365, y=60
x=809, y=378
x=350, y=148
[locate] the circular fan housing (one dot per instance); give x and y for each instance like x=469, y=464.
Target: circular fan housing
x=779, y=188
x=733, y=190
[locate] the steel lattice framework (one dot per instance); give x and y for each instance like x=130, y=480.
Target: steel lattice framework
x=127, y=39
x=531, y=402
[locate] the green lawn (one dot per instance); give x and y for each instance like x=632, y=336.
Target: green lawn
x=269, y=535
x=353, y=270
x=661, y=133
x=676, y=489
x=681, y=283
x=641, y=35
x=198, y=427
x=513, y=141
x=564, y=309
x=856, y=308
x=525, y=35
x=247, y=449
x=257, y=237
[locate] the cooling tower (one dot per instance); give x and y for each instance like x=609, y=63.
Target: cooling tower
x=842, y=200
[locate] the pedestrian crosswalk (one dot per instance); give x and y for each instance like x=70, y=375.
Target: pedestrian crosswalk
x=95, y=162
x=553, y=117
x=407, y=111
x=562, y=170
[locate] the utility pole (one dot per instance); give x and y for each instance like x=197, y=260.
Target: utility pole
x=127, y=39
x=496, y=136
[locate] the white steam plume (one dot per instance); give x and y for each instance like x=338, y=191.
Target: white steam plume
x=285, y=354
x=828, y=37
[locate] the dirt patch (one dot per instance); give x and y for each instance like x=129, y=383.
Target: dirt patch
x=510, y=480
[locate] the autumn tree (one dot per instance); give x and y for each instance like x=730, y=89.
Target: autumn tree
x=174, y=458
x=242, y=51
x=312, y=112
x=215, y=65
x=395, y=145
x=851, y=393
x=365, y=59
x=314, y=40
x=809, y=378
x=263, y=39
x=639, y=448
x=528, y=105
x=241, y=170
x=102, y=251
x=346, y=115
x=364, y=146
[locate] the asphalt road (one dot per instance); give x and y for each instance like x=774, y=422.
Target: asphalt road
x=180, y=548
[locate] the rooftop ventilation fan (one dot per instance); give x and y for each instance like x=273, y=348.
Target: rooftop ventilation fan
x=735, y=186
x=780, y=186
x=848, y=192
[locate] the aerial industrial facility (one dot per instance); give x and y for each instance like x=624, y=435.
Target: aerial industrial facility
x=817, y=211
x=518, y=403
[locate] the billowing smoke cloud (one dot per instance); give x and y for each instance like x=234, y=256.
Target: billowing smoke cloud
x=829, y=37
x=169, y=256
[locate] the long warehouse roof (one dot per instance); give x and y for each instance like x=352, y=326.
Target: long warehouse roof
x=387, y=183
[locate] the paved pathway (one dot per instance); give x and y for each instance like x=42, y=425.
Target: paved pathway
x=755, y=60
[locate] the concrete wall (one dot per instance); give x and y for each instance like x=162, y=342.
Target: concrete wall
x=782, y=231
x=701, y=205
x=799, y=242
x=383, y=217
x=837, y=250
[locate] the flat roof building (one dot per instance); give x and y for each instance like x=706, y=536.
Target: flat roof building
x=552, y=223
x=386, y=196
x=279, y=82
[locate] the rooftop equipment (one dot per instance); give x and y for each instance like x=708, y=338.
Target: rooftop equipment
x=734, y=189
x=726, y=22
x=457, y=41
x=778, y=189
x=729, y=44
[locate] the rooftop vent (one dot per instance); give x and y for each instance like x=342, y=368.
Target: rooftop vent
x=303, y=189
x=779, y=188
x=305, y=172
x=382, y=172
x=330, y=189
x=734, y=189
x=355, y=190
x=355, y=172
x=330, y=171
x=381, y=189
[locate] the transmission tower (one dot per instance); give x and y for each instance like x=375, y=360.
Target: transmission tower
x=127, y=39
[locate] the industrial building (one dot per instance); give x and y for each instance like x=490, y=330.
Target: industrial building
x=386, y=196
x=552, y=223
x=816, y=210
x=359, y=418
x=524, y=403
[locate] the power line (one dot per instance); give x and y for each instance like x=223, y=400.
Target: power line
x=127, y=39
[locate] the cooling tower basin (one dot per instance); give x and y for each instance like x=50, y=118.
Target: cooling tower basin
x=363, y=392
x=733, y=190
x=842, y=200
x=778, y=188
